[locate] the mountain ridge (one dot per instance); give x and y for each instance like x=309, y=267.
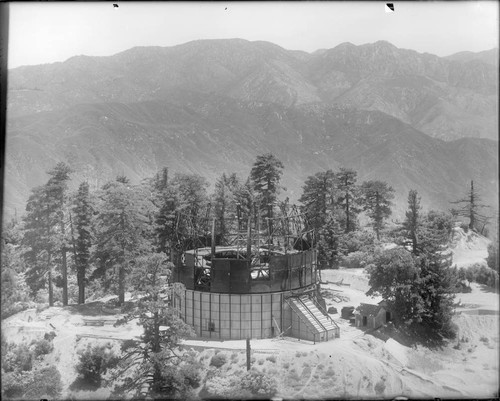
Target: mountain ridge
x=376, y=76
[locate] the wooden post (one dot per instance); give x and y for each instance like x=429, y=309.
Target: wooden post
x=249, y=240
x=248, y=354
x=213, y=240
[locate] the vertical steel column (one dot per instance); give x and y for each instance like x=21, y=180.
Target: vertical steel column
x=251, y=315
x=261, y=318
x=192, y=306
x=201, y=312
x=281, y=312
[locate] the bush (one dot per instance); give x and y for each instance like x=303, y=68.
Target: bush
x=18, y=357
x=50, y=336
x=380, y=387
x=14, y=384
x=271, y=358
x=482, y=275
x=259, y=384
x=218, y=360
x=46, y=384
x=94, y=362
x=357, y=260
x=224, y=387
x=357, y=241
x=42, y=347
x=492, y=259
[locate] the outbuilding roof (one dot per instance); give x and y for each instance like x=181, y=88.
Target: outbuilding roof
x=369, y=309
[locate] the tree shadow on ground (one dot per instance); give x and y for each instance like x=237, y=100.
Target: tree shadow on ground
x=98, y=308
x=488, y=289
x=80, y=384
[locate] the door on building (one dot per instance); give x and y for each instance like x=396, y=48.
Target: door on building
x=365, y=321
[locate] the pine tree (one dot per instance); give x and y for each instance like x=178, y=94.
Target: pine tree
x=328, y=236
x=348, y=199
x=470, y=207
x=13, y=285
x=266, y=175
x=376, y=198
x=224, y=200
x=122, y=230
x=413, y=220
x=81, y=230
x=419, y=288
x=56, y=190
x=152, y=360
x=318, y=197
x=39, y=241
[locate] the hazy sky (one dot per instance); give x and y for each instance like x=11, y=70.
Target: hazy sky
x=45, y=32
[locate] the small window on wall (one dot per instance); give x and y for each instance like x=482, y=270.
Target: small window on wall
x=210, y=326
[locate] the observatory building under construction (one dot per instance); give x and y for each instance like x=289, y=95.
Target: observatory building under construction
x=252, y=283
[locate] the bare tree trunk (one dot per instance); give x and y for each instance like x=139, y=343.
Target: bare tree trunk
x=121, y=284
x=80, y=270
x=64, y=278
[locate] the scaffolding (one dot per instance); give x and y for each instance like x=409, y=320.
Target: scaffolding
x=255, y=240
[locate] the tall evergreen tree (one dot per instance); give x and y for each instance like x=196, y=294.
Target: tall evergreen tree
x=348, y=198
x=470, y=207
x=82, y=232
x=245, y=199
x=153, y=365
x=122, y=225
x=192, y=203
x=45, y=232
x=225, y=201
x=376, y=198
x=56, y=191
x=266, y=175
x=413, y=220
x=318, y=197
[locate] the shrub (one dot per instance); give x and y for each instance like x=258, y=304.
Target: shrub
x=492, y=259
x=46, y=384
x=259, y=384
x=357, y=260
x=18, y=357
x=42, y=347
x=357, y=241
x=380, y=387
x=218, y=360
x=94, y=362
x=484, y=340
x=271, y=358
x=14, y=384
x=482, y=275
x=50, y=336
x=224, y=387
x=191, y=372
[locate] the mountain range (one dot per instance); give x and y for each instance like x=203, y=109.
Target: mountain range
x=415, y=120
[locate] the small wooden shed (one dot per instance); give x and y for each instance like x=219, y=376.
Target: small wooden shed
x=370, y=316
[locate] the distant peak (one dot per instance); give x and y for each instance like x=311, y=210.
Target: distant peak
x=384, y=43
x=344, y=45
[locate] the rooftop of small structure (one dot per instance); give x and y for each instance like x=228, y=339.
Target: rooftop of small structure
x=370, y=309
